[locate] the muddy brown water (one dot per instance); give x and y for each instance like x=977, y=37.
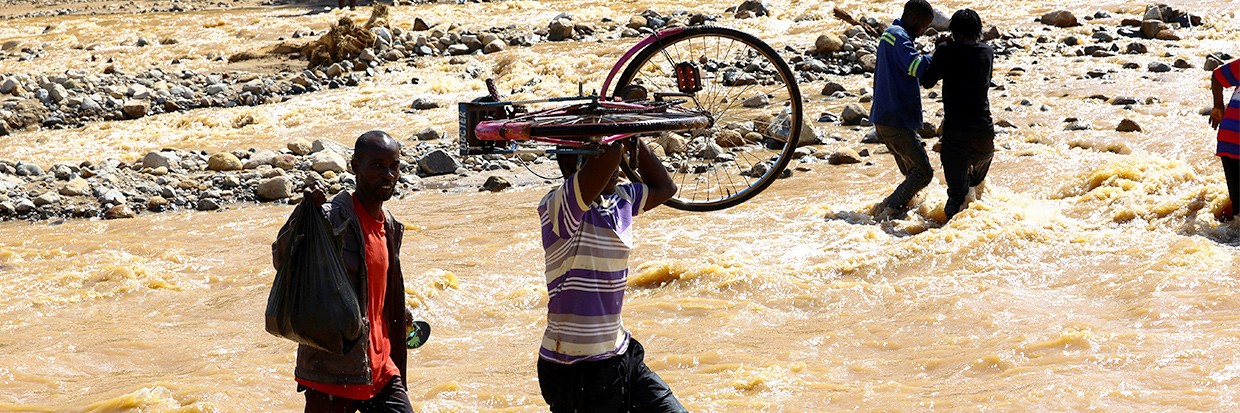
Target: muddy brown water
x=1084, y=279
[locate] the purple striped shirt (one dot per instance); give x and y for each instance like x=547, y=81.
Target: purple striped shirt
x=587, y=255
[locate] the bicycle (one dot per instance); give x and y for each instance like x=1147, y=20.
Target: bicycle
x=716, y=84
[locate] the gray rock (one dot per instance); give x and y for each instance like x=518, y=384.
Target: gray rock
x=255, y=86
x=163, y=159
x=320, y=145
x=871, y=137
x=853, y=114
x=26, y=169
x=428, y=134
x=710, y=151
x=216, y=88
x=9, y=85
x=207, y=204
x=458, y=50
x=1136, y=48
x=119, y=212
x=424, y=104
x=324, y=161
x=112, y=196
x=1077, y=126
x=496, y=45
x=831, y=87
x=24, y=205
x=47, y=198
x=752, y=8
x=437, y=162
x=275, y=188
x=259, y=158
x=1158, y=67
x=89, y=105
x=760, y=100
x=560, y=29
x=58, y=93
x=495, y=184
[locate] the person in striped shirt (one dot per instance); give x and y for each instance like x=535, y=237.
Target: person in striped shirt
x=587, y=361
x=1227, y=121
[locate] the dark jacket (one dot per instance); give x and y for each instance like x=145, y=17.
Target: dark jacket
x=897, y=99
x=965, y=69
x=354, y=368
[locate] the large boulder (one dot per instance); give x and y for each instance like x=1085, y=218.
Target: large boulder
x=560, y=29
x=274, y=188
x=224, y=161
x=324, y=161
x=136, y=108
x=672, y=143
x=75, y=187
x=828, y=43
x=438, y=162
x=853, y=114
x=320, y=145
x=161, y=159
x=1060, y=18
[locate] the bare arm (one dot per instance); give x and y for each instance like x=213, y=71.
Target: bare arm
x=655, y=176
x=594, y=175
x=1216, y=114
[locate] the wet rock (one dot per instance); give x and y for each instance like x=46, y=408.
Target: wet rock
x=752, y=8
x=1077, y=125
x=734, y=77
x=224, y=161
x=167, y=160
x=828, y=43
x=428, y=134
x=1150, y=28
x=157, y=204
x=760, y=100
x=1123, y=100
x=420, y=25
x=1136, y=48
x=424, y=104
x=284, y=161
x=119, y=212
x=1102, y=37
x=495, y=184
x=299, y=147
x=1060, y=18
x=207, y=204
x=560, y=30
x=1128, y=125
x=320, y=145
x=1182, y=64
x=831, y=87
x=729, y=139
x=672, y=143
x=324, y=161
x=75, y=187
x=1158, y=67
x=24, y=205
x=275, y=188
x=710, y=151
x=134, y=109
x=437, y=162
x=853, y=114
x=1212, y=63
x=844, y=156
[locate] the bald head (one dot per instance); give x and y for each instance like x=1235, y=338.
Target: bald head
x=373, y=142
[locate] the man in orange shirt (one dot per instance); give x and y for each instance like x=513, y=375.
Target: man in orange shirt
x=370, y=377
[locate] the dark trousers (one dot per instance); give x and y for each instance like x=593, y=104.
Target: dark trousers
x=966, y=160
x=392, y=399
x=1231, y=169
x=912, y=160
x=619, y=384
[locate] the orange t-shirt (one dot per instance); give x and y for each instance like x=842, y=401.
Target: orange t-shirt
x=381, y=365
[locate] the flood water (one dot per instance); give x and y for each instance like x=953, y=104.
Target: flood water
x=1085, y=279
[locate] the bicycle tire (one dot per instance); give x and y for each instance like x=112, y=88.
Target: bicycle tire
x=794, y=97
x=563, y=126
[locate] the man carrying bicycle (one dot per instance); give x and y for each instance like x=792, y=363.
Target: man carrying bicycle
x=588, y=361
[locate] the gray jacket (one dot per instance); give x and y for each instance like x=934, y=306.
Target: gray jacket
x=354, y=368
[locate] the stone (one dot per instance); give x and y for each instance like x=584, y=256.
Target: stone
x=1136, y=48
x=828, y=43
x=752, y=8
x=274, y=188
x=1150, y=28
x=27, y=169
x=134, y=109
x=428, y=134
x=259, y=158
x=1128, y=125
x=495, y=184
x=24, y=206
x=497, y=45
x=1158, y=67
x=757, y=101
x=1077, y=126
x=119, y=212
x=672, y=143
x=216, y=88
x=207, y=204
x=868, y=63
x=729, y=139
x=299, y=147
x=335, y=70
x=284, y=161
x=9, y=86
x=224, y=161
x=420, y=25
x=437, y=162
x=161, y=159
x=1123, y=100
x=831, y=87
x=844, y=156
x=157, y=204
x=560, y=29
x=320, y=145
x=458, y=50
x=637, y=22
x=1167, y=34
x=1060, y=18
x=710, y=151
x=58, y=93
x=853, y=114
x=324, y=161
x=1182, y=64
x=48, y=198
x=110, y=196
x=1212, y=62
x=424, y=104
x=75, y=187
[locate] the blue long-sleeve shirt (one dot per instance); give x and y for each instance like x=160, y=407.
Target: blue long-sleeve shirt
x=897, y=97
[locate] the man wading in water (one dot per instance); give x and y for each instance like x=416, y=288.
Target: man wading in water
x=896, y=112
x=588, y=362
x=370, y=378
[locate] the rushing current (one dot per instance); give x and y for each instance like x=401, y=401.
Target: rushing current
x=1091, y=276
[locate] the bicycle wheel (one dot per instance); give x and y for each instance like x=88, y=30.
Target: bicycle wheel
x=585, y=121
x=750, y=93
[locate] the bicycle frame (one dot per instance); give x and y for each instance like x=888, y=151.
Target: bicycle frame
x=604, y=93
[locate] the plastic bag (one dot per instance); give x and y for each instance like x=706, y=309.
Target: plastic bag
x=311, y=300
